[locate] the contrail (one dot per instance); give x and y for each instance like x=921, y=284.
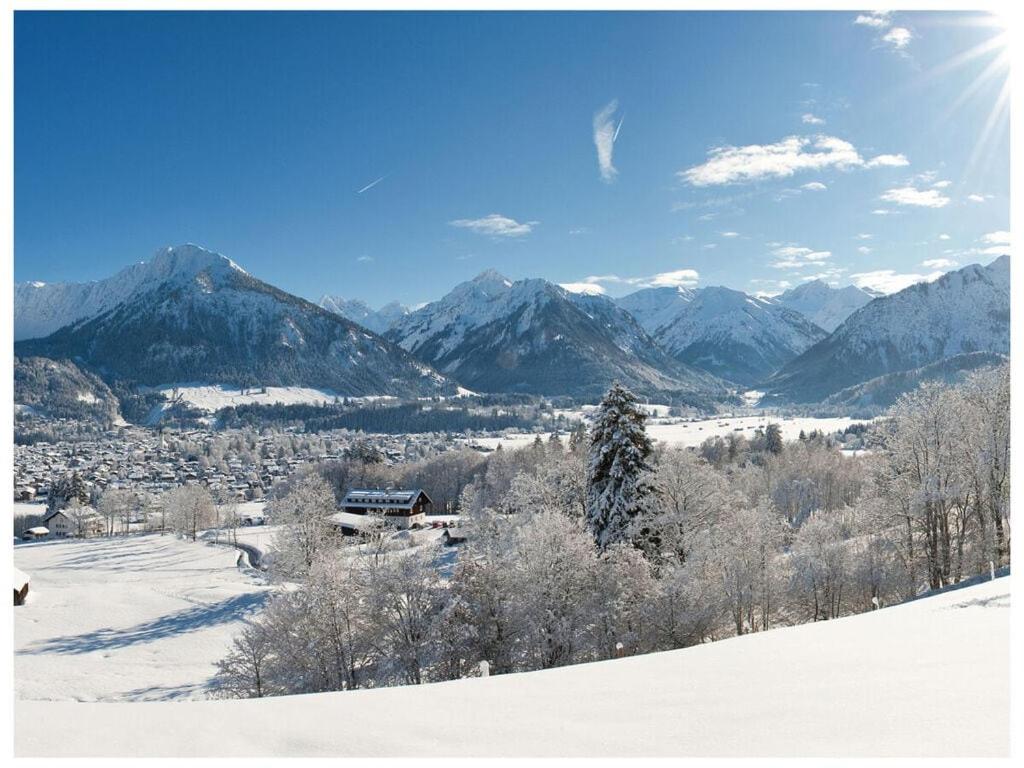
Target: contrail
x=373, y=184
x=619, y=128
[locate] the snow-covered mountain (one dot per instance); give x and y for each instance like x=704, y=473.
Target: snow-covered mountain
x=822, y=304
x=42, y=308
x=728, y=333
x=963, y=311
x=193, y=315
x=495, y=335
x=655, y=308
x=358, y=311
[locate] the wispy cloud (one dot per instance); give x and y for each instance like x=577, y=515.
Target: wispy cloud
x=975, y=198
x=887, y=161
x=876, y=19
x=811, y=119
x=371, y=185
x=606, y=131
x=364, y=259
x=814, y=186
x=678, y=278
x=592, y=289
x=791, y=155
x=1002, y=237
x=864, y=250
x=939, y=263
x=890, y=281
x=923, y=198
x=898, y=37
x=496, y=225
x=730, y=234
x=798, y=257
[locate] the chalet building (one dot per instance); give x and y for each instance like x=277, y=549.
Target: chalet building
x=88, y=523
x=404, y=508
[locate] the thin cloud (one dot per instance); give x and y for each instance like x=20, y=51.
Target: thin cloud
x=864, y=250
x=922, y=198
x=898, y=37
x=371, y=185
x=811, y=119
x=496, y=225
x=978, y=198
x=678, y=278
x=887, y=161
x=364, y=259
x=590, y=289
x=605, y=134
x=876, y=19
x=939, y=263
x=798, y=257
x=890, y=281
x=1002, y=237
x=814, y=186
x=793, y=154
x=730, y=234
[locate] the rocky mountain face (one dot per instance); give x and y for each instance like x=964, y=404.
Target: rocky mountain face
x=190, y=315
x=531, y=336
x=962, y=312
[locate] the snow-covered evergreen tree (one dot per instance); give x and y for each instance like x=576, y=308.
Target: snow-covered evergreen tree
x=618, y=465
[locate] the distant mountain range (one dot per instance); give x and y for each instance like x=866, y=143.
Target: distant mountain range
x=823, y=305
x=190, y=315
x=962, y=312
x=740, y=338
x=531, y=336
x=377, y=320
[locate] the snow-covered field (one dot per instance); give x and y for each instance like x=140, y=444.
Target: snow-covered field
x=693, y=433
x=127, y=619
x=929, y=678
x=213, y=397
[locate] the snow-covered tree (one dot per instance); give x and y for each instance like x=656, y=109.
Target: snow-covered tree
x=617, y=484
x=306, y=531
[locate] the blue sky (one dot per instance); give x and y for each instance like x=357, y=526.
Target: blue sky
x=390, y=156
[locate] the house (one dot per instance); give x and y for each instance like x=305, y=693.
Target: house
x=38, y=532
x=403, y=508
x=85, y=521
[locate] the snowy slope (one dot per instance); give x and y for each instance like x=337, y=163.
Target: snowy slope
x=928, y=678
x=199, y=317
x=655, y=308
x=822, y=304
x=735, y=336
x=377, y=320
x=495, y=335
x=134, y=619
x=963, y=311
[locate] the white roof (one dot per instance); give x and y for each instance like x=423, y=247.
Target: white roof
x=353, y=521
x=39, y=530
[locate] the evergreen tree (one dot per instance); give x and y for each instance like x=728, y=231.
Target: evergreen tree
x=616, y=483
x=773, y=439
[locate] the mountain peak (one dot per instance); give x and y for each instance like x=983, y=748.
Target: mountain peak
x=492, y=277
x=189, y=260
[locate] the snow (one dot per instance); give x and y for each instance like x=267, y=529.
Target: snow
x=127, y=619
x=689, y=434
x=213, y=397
x=928, y=678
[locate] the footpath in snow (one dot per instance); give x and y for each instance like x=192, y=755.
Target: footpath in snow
x=928, y=678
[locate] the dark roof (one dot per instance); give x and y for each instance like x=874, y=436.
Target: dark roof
x=378, y=497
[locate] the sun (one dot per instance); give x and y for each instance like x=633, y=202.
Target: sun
x=994, y=50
